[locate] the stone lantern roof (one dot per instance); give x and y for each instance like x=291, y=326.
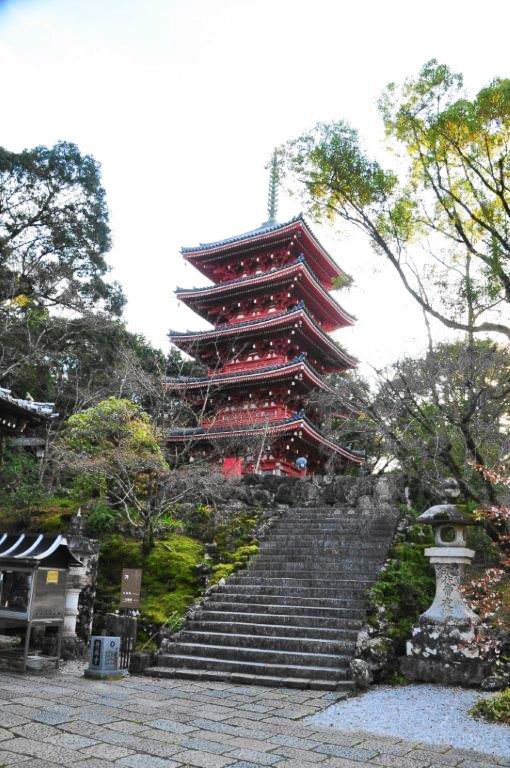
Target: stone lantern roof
x=445, y=513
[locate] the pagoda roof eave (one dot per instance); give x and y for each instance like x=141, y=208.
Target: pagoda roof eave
x=263, y=373
x=206, y=251
x=275, y=321
x=190, y=296
x=278, y=427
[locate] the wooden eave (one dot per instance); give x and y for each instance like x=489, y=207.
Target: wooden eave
x=296, y=320
x=275, y=429
x=309, y=289
x=253, y=378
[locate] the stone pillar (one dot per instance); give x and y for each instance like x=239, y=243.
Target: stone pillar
x=446, y=645
x=76, y=580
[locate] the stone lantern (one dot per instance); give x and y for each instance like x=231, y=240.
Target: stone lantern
x=447, y=644
x=81, y=586
x=449, y=556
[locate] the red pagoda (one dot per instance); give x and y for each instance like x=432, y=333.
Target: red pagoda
x=268, y=350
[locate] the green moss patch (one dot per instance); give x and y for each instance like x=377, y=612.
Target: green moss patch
x=169, y=581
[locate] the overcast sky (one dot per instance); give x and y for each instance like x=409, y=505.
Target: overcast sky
x=182, y=102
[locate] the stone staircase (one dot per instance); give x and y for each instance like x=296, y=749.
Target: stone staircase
x=291, y=618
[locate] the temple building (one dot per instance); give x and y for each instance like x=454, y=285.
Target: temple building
x=18, y=420
x=268, y=350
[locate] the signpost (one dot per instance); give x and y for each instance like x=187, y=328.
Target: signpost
x=129, y=601
x=130, y=588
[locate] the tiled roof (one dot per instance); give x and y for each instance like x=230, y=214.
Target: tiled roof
x=263, y=230
x=52, y=549
x=41, y=410
x=274, y=274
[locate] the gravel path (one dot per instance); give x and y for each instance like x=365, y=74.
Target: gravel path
x=429, y=713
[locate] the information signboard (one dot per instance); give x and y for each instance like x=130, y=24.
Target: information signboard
x=130, y=588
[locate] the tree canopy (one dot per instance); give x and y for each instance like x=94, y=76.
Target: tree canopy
x=54, y=230
x=441, y=216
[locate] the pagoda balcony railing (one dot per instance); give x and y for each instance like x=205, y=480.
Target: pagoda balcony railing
x=301, y=259
x=243, y=417
x=250, y=365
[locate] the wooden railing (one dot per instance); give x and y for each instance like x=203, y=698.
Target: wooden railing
x=243, y=418
x=249, y=365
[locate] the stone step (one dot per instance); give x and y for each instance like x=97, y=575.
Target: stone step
x=304, y=541
x=292, y=616
x=264, y=655
x=317, y=567
x=292, y=530
x=270, y=642
x=253, y=667
x=306, y=568
x=284, y=554
x=329, y=548
x=272, y=628
x=282, y=610
x=315, y=582
x=250, y=678
x=286, y=599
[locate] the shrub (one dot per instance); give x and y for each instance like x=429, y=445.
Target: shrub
x=495, y=709
x=406, y=586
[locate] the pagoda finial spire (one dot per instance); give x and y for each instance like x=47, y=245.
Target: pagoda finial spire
x=272, y=197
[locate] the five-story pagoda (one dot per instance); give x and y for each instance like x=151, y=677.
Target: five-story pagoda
x=271, y=311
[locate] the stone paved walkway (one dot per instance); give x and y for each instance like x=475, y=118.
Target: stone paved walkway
x=68, y=721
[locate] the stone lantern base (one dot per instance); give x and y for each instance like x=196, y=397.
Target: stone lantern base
x=449, y=654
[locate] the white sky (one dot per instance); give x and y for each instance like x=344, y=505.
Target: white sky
x=182, y=102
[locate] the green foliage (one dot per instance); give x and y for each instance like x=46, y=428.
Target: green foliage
x=495, y=709
x=236, y=531
x=221, y=571
x=487, y=552
x=199, y=522
x=171, y=578
x=54, y=239
x=443, y=413
x=397, y=679
x=101, y=519
x=111, y=426
x=235, y=544
x=233, y=561
x=20, y=490
x=407, y=585
x=442, y=221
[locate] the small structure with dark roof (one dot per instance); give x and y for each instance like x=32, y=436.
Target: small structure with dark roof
x=33, y=580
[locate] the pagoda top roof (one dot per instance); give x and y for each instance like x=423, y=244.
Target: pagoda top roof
x=296, y=421
x=252, y=233
x=266, y=232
